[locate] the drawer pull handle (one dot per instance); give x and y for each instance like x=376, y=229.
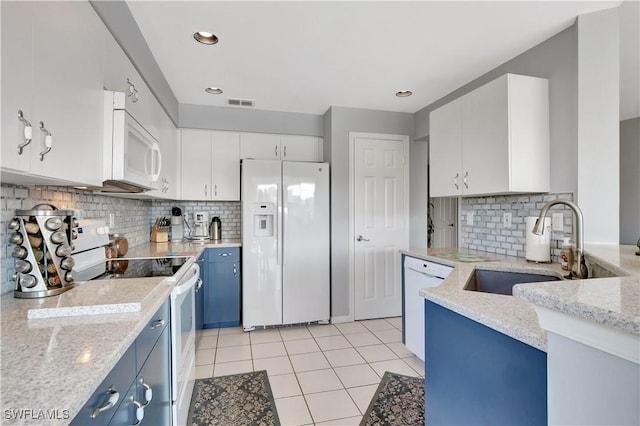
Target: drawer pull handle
x=157, y=323
x=28, y=132
x=48, y=141
x=111, y=399
x=139, y=411
x=455, y=180
x=148, y=393
x=224, y=254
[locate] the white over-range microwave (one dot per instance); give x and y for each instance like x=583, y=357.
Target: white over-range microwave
x=131, y=155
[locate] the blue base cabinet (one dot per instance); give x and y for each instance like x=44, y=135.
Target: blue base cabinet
x=221, y=288
x=478, y=376
x=139, y=384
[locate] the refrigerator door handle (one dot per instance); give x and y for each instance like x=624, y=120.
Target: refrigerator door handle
x=279, y=230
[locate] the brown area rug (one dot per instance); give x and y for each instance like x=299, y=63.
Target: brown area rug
x=237, y=400
x=398, y=401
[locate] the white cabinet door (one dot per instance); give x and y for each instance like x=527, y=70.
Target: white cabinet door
x=195, y=164
x=300, y=148
x=122, y=76
x=168, y=180
x=260, y=146
x=225, y=170
x=445, y=150
x=68, y=45
x=17, y=22
x=493, y=140
x=485, y=126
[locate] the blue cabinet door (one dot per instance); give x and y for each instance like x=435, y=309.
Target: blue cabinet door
x=154, y=383
x=204, y=276
x=222, y=289
x=478, y=376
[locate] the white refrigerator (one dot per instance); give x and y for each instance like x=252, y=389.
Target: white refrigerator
x=285, y=242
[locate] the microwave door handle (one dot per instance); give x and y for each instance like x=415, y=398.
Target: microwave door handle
x=155, y=149
x=148, y=157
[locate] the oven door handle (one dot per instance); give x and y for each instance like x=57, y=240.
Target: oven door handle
x=187, y=285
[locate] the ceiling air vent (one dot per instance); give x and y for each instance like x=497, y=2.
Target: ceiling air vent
x=240, y=102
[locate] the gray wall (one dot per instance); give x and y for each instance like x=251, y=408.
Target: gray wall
x=249, y=120
x=344, y=120
x=630, y=181
x=557, y=60
x=419, y=178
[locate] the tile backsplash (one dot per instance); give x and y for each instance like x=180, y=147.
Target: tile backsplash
x=489, y=234
x=132, y=217
x=227, y=211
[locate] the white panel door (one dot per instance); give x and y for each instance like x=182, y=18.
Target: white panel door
x=305, y=236
x=195, y=164
x=299, y=148
x=261, y=254
x=443, y=214
x=260, y=146
x=381, y=225
x=225, y=170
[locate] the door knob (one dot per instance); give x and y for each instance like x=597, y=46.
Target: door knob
x=361, y=238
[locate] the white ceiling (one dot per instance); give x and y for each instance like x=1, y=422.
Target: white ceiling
x=306, y=56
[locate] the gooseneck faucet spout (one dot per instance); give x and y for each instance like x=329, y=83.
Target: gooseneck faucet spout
x=580, y=268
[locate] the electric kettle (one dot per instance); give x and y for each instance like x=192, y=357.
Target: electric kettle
x=215, y=230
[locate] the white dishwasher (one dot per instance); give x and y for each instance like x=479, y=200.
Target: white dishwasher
x=418, y=274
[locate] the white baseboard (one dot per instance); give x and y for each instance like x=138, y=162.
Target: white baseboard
x=345, y=318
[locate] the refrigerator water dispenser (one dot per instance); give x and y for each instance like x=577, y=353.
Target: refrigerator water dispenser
x=263, y=214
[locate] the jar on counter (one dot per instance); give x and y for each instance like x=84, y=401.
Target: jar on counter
x=118, y=246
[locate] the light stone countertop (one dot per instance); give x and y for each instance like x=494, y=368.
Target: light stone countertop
x=612, y=302
x=57, y=363
x=592, y=299
x=184, y=248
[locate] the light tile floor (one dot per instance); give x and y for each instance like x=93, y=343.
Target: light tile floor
x=319, y=374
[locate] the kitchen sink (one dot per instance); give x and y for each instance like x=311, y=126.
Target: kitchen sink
x=502, y=282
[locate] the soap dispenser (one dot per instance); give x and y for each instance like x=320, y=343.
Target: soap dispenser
x=566, y=255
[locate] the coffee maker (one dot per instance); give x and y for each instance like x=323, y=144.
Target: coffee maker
x=201, y=225
x=177, y=224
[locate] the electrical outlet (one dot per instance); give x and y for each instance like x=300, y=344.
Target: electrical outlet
x=506, y=220
x=112, y=220
x=557, y=222
x=470, y=218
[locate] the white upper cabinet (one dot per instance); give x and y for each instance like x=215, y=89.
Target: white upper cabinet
x=266, y=146
x=122, y=76
x=210, y=165
x=300, y=148
x=493, y=140
x=225, y=166
x=17, y=22
x=60, y=86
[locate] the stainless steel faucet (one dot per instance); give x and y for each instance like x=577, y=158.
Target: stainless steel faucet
x=580, y=268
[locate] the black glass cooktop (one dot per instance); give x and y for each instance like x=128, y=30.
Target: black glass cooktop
x=140, y=268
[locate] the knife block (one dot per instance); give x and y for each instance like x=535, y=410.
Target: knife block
x=159, y=236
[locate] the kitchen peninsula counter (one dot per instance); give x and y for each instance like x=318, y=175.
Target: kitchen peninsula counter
x=51, y=366
x=516, y=317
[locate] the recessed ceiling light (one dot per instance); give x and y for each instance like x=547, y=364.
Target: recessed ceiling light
x=404, y=93
x=205, y=37
x=213, y=90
